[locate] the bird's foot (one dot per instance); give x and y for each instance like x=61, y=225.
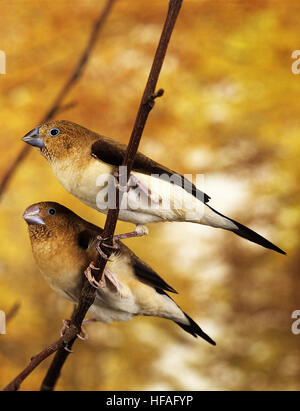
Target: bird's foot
x=82, y=335
x=98, y=247
x=91, y=278
x=140, y=231
x=133, y=181
x=89, y=320
x=154, y=198
x=136, y=182
x=112, y=281
x=66, y=324
x=120, y=187
x=114, y=246
x=100, y=251
x=107, y=280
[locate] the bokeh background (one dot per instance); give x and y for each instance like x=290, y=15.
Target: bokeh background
x=231, y=110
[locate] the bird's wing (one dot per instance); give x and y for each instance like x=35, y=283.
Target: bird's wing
x=192, y=327
x=147, y=275
x=87, y=236
x=87, y=240
x=113, y=153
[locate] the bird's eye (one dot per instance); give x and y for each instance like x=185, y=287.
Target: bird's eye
x=54, y=132
x=51, y=211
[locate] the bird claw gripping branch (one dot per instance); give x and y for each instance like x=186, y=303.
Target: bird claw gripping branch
x=91, y=279
x=82, y=335
x=107, y=275
x=132, y=182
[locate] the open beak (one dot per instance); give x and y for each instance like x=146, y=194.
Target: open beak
x=33, y=138
x=31, y=215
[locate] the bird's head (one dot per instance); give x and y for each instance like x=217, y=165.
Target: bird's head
x=49, y=219
x=57, y=139
x=59, y=244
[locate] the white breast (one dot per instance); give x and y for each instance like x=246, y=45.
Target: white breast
x=94, y=186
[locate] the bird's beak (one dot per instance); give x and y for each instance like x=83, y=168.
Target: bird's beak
x=31, y=215
x=33, y=138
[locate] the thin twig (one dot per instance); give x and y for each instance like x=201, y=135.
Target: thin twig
x=56, y=105
x=88, y=292
x=69, y=335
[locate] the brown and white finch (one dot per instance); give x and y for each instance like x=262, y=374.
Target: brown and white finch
x=82, y=159
x=63, y=245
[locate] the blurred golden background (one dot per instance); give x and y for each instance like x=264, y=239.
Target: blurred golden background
x=231, y=110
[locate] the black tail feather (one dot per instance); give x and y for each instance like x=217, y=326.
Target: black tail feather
x=194, y=329
x=251, y=235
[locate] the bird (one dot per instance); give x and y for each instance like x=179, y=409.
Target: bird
x=63, y=246
x=89, y=166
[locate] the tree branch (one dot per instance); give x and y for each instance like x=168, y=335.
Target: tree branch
x=56, y=105
x=88, y=292
x=37, y=359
